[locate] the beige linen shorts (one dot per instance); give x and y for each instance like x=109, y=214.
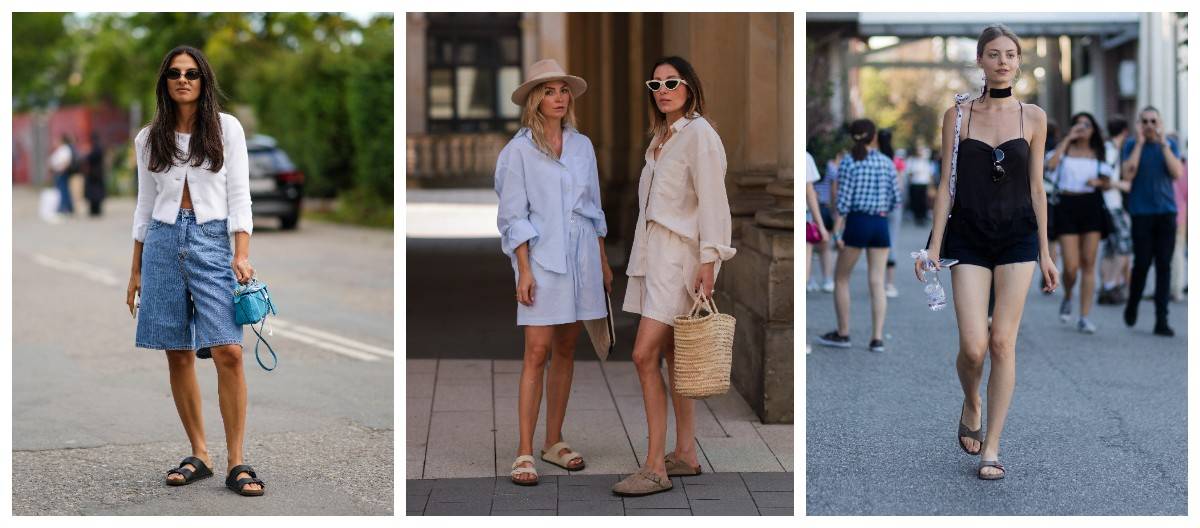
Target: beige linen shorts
x=671, y=265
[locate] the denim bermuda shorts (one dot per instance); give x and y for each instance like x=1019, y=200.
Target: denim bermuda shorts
x=187, y=287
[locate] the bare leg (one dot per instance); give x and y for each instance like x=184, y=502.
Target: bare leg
x=558, y=384
x=1070, y=258
x=808, y=248
x=685, y=413
x=538, y=342
x=846, y=260
x=186, y=391
x=1012, y=285
x=876, y=266
x=826, y=250
x=1087, y=267
x=231, y=393
x=972, y=288
x=647, y=347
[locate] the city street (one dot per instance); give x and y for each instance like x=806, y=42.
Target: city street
x=1098, y=423
x=94, y=425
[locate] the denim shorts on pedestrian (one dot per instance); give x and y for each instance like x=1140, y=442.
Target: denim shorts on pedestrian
x=1022, y=248
x=865, y=230
x=187, y=287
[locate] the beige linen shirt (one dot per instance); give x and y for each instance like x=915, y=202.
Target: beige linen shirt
x=684, y=191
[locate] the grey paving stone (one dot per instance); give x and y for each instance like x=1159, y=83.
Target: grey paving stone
x=587, y=493
x=590, y=507
x=418, y=487
x=522, y=502
x=769, y=481
x=719, y=479
x=462, y=490
x=774, y=499
x=788, y=512
x=413, y=513
x=718, y=491
x=589, y=480
x=673, y=498
x=547, y=486
x=416, y=502
x=459, y=508
x=523, y=513
x=659, y=511
x=723, y=507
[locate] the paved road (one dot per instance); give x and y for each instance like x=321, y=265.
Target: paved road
x=94, y=425
x=1098, y=424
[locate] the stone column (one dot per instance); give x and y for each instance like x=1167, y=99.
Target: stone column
x=415, y=71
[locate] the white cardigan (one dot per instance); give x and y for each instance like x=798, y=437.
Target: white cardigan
x=220, y=195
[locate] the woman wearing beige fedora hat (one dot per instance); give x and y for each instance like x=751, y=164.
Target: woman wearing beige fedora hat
x=552, y=228
x=683, y=233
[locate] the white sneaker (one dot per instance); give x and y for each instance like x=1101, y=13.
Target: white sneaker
x=1086, y=326
x=892, y=292
x=828, y=286
x=813, y=286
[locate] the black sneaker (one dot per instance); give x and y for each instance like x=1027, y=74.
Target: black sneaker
x=876, y=345
x=1162, y=329
x=834, y=339
x=1131, y=309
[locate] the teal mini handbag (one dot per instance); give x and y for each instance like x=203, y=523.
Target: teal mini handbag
x=251, y=305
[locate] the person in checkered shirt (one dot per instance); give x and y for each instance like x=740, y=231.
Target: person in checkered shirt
x=867, y=192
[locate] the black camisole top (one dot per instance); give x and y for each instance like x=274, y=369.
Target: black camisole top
x=985, y=211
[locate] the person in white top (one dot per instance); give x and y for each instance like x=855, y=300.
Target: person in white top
x=1117, y=248
x=193, y=197
x=920, y=175
x=1080, y=217
x=683, y=233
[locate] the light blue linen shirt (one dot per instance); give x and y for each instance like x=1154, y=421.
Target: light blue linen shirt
x=538, y=194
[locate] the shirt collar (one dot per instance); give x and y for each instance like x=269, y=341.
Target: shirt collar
x=683, y=121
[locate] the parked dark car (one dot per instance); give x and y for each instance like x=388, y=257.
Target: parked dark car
x=276, y=185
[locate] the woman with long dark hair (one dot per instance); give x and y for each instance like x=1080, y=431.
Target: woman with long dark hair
x=683, y=233
x=1080, y=214
x=867, y=192
x=193, y=197
x=997, y=232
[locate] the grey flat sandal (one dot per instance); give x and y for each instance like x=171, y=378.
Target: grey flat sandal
x=976, y=435
x=679, y=468
x=642, y=483
x=990, y=463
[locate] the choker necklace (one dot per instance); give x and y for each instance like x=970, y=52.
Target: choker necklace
x=1000, y=93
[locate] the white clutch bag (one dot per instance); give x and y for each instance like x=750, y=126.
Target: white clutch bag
x=601, y=331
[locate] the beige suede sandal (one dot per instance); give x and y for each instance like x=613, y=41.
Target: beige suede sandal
x=523, y=470
x=551, y=455
x=644, y=482
x=679, y=468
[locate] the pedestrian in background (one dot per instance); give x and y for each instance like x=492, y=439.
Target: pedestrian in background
x=1118, y=245
x=867, y=192
x=1151, y=165
x=1080, y=217
x=996, y=231
x=684, y=232
x=94, y=183
x=552, y=228
x=920, y=175
x=1179, y=260
x=182, y=263
x=894, y=217
x=63, y=162
x=826, y=189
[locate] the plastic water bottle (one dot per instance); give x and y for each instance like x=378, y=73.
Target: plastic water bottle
x=934, y=291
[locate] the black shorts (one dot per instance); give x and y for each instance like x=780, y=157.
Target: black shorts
x=827, y=216
x=1077, y=214
x=990, y=255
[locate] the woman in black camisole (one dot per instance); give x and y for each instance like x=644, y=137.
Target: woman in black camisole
x=997, y=231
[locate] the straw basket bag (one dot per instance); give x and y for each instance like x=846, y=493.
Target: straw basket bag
x=703, y=351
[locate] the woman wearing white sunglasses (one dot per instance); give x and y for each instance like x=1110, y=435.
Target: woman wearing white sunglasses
x=683, y=233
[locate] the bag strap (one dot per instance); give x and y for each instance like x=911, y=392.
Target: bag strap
x=959, y=99
x=261, y=339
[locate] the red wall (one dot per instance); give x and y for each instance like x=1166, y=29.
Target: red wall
x=77, y=121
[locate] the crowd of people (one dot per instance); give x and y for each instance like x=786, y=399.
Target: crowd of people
x=1117, y=205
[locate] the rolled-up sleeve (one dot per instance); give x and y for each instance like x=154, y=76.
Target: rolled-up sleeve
x=512, y=216
x=716, y=223
x=147, y=189
x=237, y=177
x=599, y=222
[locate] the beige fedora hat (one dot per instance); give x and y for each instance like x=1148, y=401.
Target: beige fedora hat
x=545, y=71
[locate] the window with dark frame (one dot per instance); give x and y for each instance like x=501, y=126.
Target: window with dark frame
x=473, y=65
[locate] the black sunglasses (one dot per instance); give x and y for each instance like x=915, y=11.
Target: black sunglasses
x=655, y=85
x=1149, y=121
x=998, y=172
x=190, y=75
